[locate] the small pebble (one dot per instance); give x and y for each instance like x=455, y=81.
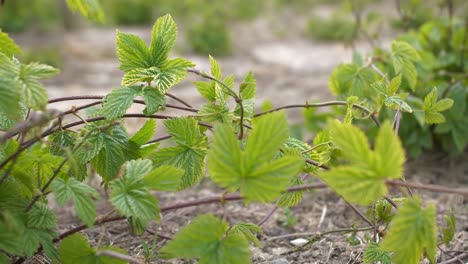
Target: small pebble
x=299, y=242
x=280, y=261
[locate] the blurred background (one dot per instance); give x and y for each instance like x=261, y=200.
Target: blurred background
x=292, y=46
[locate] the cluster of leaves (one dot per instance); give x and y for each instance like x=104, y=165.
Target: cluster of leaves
x=425, y=80
x=249, y=153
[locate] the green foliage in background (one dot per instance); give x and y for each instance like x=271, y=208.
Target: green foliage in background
x=424, y=79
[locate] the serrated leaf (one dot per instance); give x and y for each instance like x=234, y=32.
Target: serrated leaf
x=449, y=232
x=174, y=67
x=247, y=231
x=206, y=89
x=394, y=85
x=88, y=8
x=9, y=107
x=130, y=195
x=119, y=101
x=389, y=153
x=269, y=134
x=213, y=113
x=82, y=196
x=163, y=37
x=145, y=133
x=60, y=141
x=164, y=178
x=252, y=171
x=443, y=104
x=91, y=146
x=75, y=249
x=113, y=154
x=7, y=45
x=31, y=239
x=132, y=52
x=351, y=141
x=185, y=131
x=374, y=253
x=350, y=79
x=205, y=239
x=362, y=181
x=356, y=185
x=403, y=57
x=433, y=117
x=291, y=199
x=215, y=69
x=188, y=159
x=41, y=217
x=154, y=100
x=248, y=86
x=412, y=232
x=33, y=94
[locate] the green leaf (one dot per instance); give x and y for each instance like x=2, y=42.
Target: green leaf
x=449, y=232
x=130, y=195
x=163, y=37
x=7, y=45
x=119, y=101
x=403, y=57
x=188, y=159
x=374, y=253
x=389, y=153
x=252, y=171
x=154, y=100
x=88, y=8
x=145, y=133
x=362, y=181
x=412, y=232
x=394, y=85
x=9, y=107
x=290, y=199
x=213, y=113
x=75, y=249
x=247, y=231
x=61, y=140
x=172, y=72
x=215, y=68
x=352, y=142
x=41, y=217
x=91, y=146
x=113, y=154
x=164, y=178
x=269, y=134
x=206, y=89
x=205, y=238
x=33, y=94
x=132, y=52
x=443, y=104
x=185, y=131
x=350, y=79
x=356, y=185
x=82, y=196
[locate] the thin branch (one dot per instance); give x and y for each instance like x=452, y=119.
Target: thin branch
x=455, y=259
x=361, y=215
x=178, y=100
x=117, y=255
x=428, y=187
x=241, y=125
x=210, y=200
x=189, y=108
x=311, y=234
x=158, y=139
x=269, y=214
x=329, y=103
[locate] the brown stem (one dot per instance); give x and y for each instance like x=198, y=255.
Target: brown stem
x=330, y=103
x=428, y=187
